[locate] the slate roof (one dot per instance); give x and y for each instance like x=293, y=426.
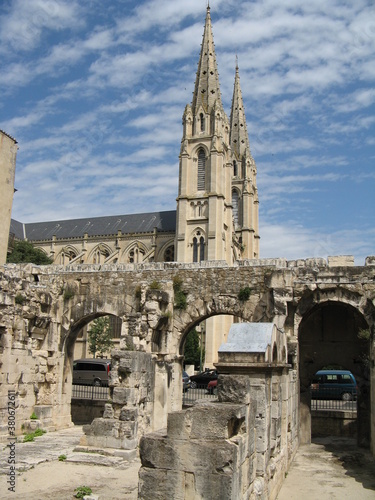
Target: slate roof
x=95, y=226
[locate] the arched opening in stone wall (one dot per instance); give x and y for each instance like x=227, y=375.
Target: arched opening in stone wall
x=87, y=364
x=335, y=336
x=199, y=347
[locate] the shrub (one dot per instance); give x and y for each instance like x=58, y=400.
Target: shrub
x=19, y=299
x=180, y=301
x=177, y=283
x=155, y=285
x=82, y=491
x=33, y=416
x=68, y=293
x=62, y=458
x=24, y=251
x=31, y=435
x=244, y=294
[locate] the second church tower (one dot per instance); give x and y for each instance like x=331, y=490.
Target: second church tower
x=217, y=204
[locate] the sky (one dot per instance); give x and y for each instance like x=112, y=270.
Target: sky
x=94, y=94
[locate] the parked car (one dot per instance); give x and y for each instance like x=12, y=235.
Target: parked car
x=202, y=379
x=334, y=384
x=91, y=372
x=185, y=381
x=212, y=387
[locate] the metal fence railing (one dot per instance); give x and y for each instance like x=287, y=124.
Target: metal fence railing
x=200, y=392
x=334, y=399
x=89, y=392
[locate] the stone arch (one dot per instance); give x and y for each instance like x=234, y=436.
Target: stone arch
x=66, y=254
x=184, y=322
x=80, y=313
x=134, y=252
x=335, y=294
x=204, y=148
x=328, y=334
x=99, y=254
x=338, y=298
x=162, y=251
x=328, y=322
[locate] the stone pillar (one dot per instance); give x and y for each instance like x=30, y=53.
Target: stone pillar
x=128, y=415
x=8, y=152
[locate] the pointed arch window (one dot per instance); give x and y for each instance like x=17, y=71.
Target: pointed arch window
x=195, y=250
x=236, y=206
x=201, y=116
x=169, y=254
x=201, y=249
x=198, y=248
x=136, y=255
x=201, y=170
x=243, y=168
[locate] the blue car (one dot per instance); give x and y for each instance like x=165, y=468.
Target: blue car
x=334, y=384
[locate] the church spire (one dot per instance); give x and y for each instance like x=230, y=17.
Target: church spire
x=239, y=139
x=207, y=87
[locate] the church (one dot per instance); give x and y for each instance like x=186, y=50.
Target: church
x=217, y=210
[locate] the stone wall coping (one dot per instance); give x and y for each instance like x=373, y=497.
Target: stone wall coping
x=243, y=368
x=277, y=263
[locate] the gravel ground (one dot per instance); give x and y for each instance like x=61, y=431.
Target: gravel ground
x=329, y=469
x=41, y=476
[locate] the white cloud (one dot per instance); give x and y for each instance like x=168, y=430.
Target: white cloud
x=22, y=26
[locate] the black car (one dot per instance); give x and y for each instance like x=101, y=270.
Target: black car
x=201, y=379
x=185, y=381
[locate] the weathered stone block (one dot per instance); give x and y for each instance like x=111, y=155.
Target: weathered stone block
x=111, y=433
x=208, y=421
x=234, y=389
x=108, y=411
x=161, y=484
x=125, y=395
x=158, y=451
x=128, y=414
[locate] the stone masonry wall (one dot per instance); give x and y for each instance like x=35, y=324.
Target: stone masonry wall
x=43, y=308
x=238, y=447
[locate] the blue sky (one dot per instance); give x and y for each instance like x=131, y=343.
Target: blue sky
x=94, y=93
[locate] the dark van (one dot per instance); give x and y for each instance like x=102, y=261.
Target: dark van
x=91, y=372
x=334, y=384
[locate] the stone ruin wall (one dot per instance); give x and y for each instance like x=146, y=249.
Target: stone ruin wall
x=38, y=324
x=237, y=447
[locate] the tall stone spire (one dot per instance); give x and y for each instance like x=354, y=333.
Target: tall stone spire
x=207, y=87
x=244, y=189
x=239, y=138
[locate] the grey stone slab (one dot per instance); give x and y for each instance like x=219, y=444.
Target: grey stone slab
x=248, y=337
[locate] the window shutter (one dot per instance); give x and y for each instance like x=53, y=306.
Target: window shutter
x=201, y=170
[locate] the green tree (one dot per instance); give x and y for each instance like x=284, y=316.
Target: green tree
x=192, y=350
x=24, y=251
x=100, y=336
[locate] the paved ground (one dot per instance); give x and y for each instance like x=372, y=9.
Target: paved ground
x=41, y=476
x=328, y=469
